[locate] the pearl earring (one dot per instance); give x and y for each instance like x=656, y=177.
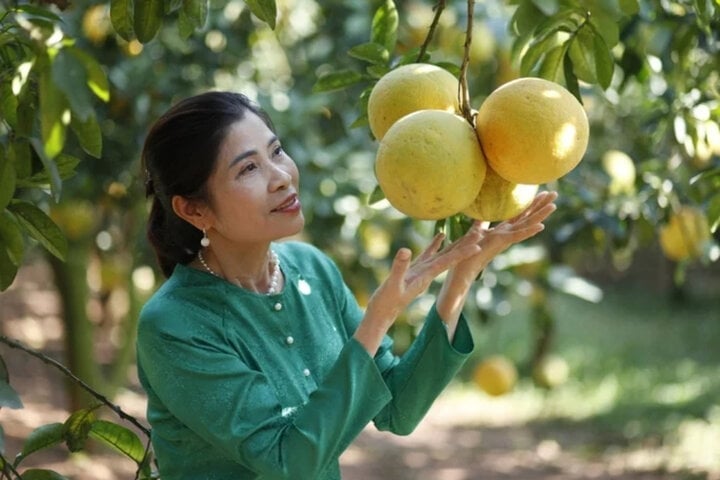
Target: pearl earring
x=205, y=241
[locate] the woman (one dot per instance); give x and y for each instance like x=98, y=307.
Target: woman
x=256, y=359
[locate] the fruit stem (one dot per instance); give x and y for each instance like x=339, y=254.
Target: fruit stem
x=431, y=31
x=463, y=91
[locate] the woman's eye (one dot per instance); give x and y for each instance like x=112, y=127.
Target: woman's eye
x=247, y=169
x=278, y=150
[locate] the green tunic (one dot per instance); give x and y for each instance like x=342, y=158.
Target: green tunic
x=242, y=385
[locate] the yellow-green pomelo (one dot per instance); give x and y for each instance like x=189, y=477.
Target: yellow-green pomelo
x=429, y=165
x=685, y=235
x=499, y=199
x=407, y=89
x=532, y=130
x=496, y=375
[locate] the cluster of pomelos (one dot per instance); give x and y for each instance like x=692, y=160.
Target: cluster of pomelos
x=432, y=163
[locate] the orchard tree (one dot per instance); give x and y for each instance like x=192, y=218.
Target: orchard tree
x=80, y=83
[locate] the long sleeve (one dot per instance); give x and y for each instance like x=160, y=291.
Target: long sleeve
x=416, y=378
x=235, y=409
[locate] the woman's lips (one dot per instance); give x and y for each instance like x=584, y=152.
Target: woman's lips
x=291, y=204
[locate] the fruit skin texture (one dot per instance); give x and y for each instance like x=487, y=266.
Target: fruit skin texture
x=407, y=89
x=683, y=237
x=499, y=199
x=496, y=375
x=532, y=130
x=429, y=165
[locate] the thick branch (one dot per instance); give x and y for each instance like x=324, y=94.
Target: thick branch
x=431, y=31
x=464, y=92
x=45, y=359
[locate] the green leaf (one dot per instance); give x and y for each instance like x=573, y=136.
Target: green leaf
x=77, y=428
x=89, y=134
x=606, y=26
x=64, y=165
x=551, y=66
x=265, y=10
x=40, y=12
x=8, y=270
x=713, y=212
x=377, y=71
x=121, y=17
x=376, y=195
x=147, y=19
x=171, y=6
x=547, y=7
x=384, y=25
x=41, y=474
x=582, y=53
x=337, y=80
x=11, y=238
x=571, y=80
x=97, y=80
x=68, y=74
x=370, y=52
x=53, y=110
x=4, y=373
x=629, y=7
x=40, y=227
x=122, y=439
x=525, y=19
x=193, y=16
x=8, y=104
x=44, y=436
x=8, y=178
x=50, y=169
x=537, y=50
x=9, y=397
x=604, y=62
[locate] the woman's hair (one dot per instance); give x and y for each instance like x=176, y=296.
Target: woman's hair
x=179, y=155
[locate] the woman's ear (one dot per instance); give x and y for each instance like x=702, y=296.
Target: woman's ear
x=192, y=211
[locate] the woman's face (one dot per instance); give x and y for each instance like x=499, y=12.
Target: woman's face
x=254, y=187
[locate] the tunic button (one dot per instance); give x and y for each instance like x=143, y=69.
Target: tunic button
x=306, y=372
x=289, y=340
x=277, y=306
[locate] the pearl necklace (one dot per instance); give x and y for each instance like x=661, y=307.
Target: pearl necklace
x=274, y=278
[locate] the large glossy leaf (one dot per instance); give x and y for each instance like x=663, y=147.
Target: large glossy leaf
x=9, y=397
x=53, y=112
x=77, y=429
x=51, y=169
x=337, y=80
x=121, y=16
x=147, y=18
x=45, y=436
x=68, y=75
x=97, y=80
x=538, y=50
x=89, y=134
x=193, y=16
x=64, y=165
x=370, y=52
x=582, y=53
x=8, y=178
x=265, y=10
x=8, y=270
x=41, y=227
x=41, y=474
x=551, y=67
x=11, y=240
x=8, y=104
x=120, y=438
x=384, y=25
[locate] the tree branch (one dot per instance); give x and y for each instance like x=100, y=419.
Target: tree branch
x=45, y=359
x=431, y=31
x=463, y=91
x=8, y=466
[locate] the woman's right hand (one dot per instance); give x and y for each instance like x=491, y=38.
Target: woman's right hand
x=408, y=279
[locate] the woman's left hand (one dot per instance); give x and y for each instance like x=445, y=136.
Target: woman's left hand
x=493, y=241
x=517, y=229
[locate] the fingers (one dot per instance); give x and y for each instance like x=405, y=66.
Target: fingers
x=432, y=248
x=400, y=265
x=541, y=206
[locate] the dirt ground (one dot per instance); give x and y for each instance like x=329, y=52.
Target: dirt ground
x=458, y=440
